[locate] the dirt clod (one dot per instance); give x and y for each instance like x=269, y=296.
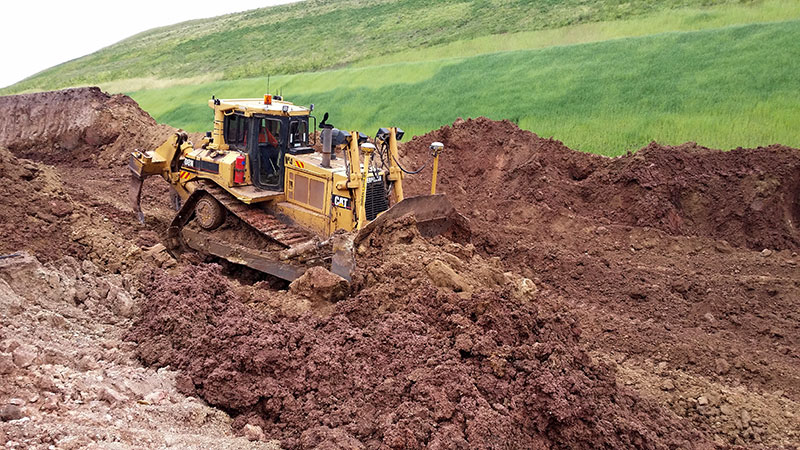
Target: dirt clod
x=24, y=355
x=319, y=284
x=444, y=276
x=11, y=412
x=253, y=433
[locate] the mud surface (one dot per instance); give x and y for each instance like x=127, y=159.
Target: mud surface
x=647, y=301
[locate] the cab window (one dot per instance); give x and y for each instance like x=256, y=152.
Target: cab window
x=235, y=130
x=269, y=132
x=298, y=133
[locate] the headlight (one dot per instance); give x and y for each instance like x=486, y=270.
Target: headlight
x=382, y=134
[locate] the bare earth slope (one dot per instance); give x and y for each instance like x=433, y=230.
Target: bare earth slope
x=659, y=253
x=643, y=301
x=82, y=125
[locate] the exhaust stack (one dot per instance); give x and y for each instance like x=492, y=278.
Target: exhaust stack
x=327, y=145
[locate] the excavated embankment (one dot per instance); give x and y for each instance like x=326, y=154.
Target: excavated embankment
x=641, y=276
x=748, y=197
x=80, y=126
x=63, y=167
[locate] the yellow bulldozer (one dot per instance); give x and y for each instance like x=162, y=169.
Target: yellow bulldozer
x=256, y=192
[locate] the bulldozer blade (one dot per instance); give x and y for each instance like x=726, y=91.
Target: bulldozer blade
x=343, y=263
x=135, y=196
x=434, y=214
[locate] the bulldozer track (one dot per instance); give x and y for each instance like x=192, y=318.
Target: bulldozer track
x=265, y=223
x=281, y=264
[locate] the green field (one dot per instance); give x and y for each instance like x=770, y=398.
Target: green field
x=604, y=76
x=320, y=34
x=716, y=87
x=682, y=19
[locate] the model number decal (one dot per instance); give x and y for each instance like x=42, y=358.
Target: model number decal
x=188, y=162
x=340, y=202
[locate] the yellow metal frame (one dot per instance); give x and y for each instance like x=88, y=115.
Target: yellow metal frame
x=435, y=169
x=395, y=175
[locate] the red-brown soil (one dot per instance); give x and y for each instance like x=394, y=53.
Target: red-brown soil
x=747, y=197
x=67, y=379
x=651, y=251
x=620, y=302
x=63, y=167
x=419, y=367
x=36, y=210
x=82, y=126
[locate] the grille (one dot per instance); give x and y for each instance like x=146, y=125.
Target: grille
x=376, y=199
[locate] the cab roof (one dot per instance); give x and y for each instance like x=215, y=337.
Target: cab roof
x=250, y=106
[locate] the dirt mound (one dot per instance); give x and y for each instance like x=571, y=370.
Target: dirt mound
x=36, y=210
x=68, y=380
x=51, y=218
x=749, y=197
x=481, y=361
x=682, y=317
x=77, y=126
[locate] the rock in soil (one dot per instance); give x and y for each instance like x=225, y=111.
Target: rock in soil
x=318, y=284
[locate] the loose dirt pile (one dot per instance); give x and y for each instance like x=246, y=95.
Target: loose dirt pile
x=748, y=197
x=41, y=215
x=77, y=126
x=68, y=380
x=714, y=320
x=36, y=210
x=480, y=361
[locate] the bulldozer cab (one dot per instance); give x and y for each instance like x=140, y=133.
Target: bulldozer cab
x=266, y=139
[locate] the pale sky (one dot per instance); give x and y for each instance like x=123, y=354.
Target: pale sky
x=38, y=34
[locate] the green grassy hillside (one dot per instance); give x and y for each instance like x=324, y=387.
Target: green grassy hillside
x=722, y=88
x=318, y=34
x=604, y=76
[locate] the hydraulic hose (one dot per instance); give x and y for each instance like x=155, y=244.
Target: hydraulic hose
x=408, y=172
